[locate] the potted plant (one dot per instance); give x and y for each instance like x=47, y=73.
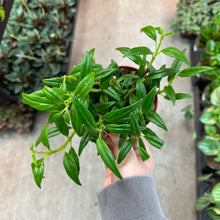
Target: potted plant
x=35, y=44
x=210, y=200
x=92, y=100
x=193, y=14
x=210, y=145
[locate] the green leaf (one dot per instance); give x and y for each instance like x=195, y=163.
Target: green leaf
x=152, y=138
x=206, y=117
x=125, y=149
x=142, y=150
x=104, y=107
x=118, y=128
x=75, y=121
x=175, y=53
x=55, y=82
x=38, y=101
x=53, y=115
x=170, y=93
x=62, y=126
x=156, y=119
x=213, y=212
x=209, y=147
x=195, y=70
x=135, y=128
x=84, y=114
x=159, y=74
x=135, y=58
x=71, y=167
x=203, y=201
x=117, y=115
x=44, y=136
x=107, y=157
x=73, y=153
x=140, y=89
x=84, y=141
x=149, y=99
x=216, y=194
x=215, y=96
x=183, y=96
x=210, y=129
x=150, y=32
x=86, y=67
x=139, y=51
x=205, y=177
x=38, y=170
x=127, y=76
x=85, y=85
x=67, y=117
x=112, y=93
x=169, y=34
x=104, y=73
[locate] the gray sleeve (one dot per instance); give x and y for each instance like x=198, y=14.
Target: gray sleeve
x=131, y=198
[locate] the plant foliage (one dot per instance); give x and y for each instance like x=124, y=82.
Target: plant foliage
x=93, y=99
x=34, y=45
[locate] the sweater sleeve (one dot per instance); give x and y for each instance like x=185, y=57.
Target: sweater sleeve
x=131, y=198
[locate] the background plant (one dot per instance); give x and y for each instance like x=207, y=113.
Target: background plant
x=2, y=12
x=210, y=200
x=35, y=43
x=193, y=14
x=210, y=146
x=93, y=99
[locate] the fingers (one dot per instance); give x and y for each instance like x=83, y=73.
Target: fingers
x=112, y=140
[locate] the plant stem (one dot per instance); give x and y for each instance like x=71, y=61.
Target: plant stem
x=48, y=153
x=153, y=57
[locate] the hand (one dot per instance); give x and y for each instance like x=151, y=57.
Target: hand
x=132, y=165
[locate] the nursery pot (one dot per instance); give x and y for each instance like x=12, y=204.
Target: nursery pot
x=7, y=98
x=212, y=163
x=188, y=35
x=130, y=69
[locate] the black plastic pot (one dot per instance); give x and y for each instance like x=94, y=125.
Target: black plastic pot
x=7, y=98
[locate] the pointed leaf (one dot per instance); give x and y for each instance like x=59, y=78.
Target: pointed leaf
x=71, y=167
x=175, y=53
x=125, y=149
x=107, y=157
x=117, y=115
x=142, y=150
x=84, y=114
x=86, y=67
x=170, y=93
x=159, y=74
x=140, y=89
x=193, y=71
x=84, y=141
x=44, y=136
x=152, y=138
x=135, y=128
x=62, y=126
x=150, y=32
x=85, y=85
x=104, y=73
x=73, y=153
x=118, y=128
x=156, y=119
x=75, y=121
x=38, y=170
x=149, y=100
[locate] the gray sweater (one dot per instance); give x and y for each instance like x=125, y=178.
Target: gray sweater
x=133, y=198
